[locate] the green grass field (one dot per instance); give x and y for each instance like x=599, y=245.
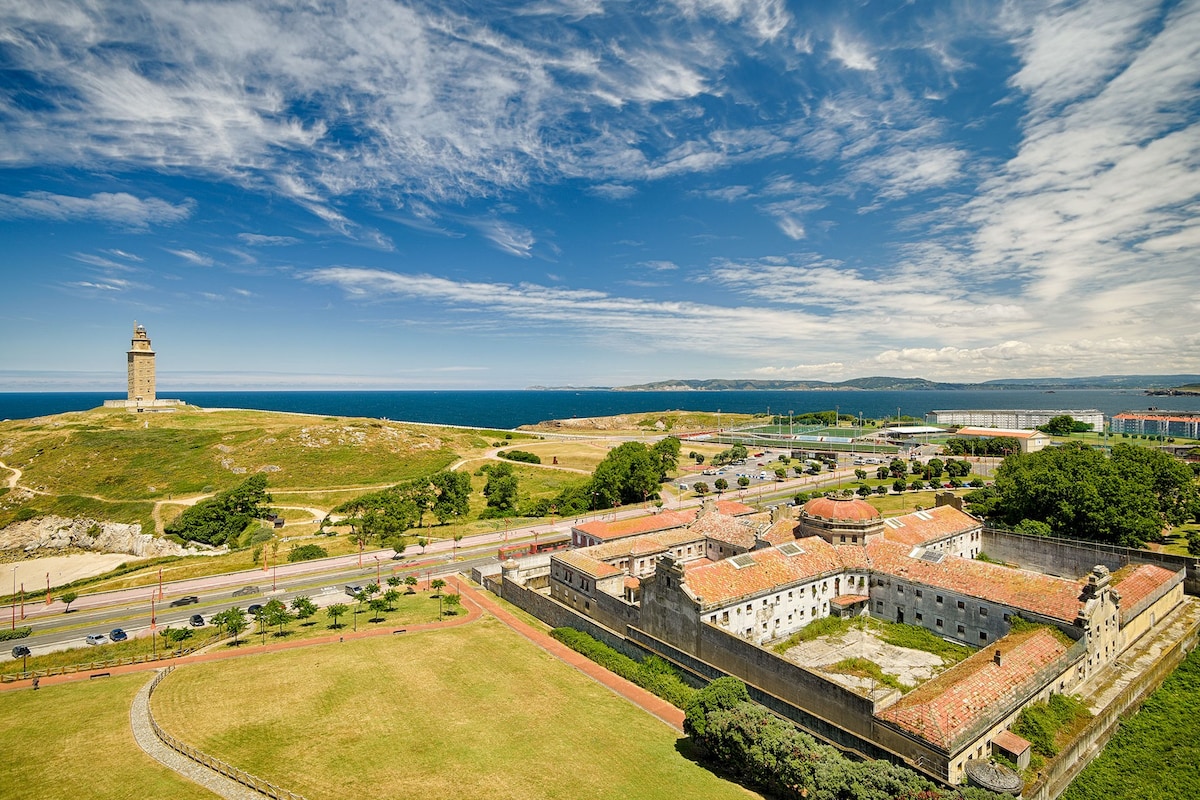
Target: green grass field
x=474, y=711
x=73, y=741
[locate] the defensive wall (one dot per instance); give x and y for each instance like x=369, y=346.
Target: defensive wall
x=1070, y=558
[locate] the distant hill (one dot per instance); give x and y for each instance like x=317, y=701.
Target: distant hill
x=884, y=383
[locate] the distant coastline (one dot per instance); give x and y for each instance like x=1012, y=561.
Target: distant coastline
x=1149, y=383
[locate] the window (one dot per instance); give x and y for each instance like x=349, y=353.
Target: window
x=919, y=593
x=789, y=595
x=899, y=589
x=983, y=636
x=961, y=630
x=983, y=611
x=939, y=598
x=879, y=605
x=961, y=605
x=919, y=617
x=1008, y=617
x=938, y=622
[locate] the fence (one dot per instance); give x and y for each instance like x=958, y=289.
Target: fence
x=264, y=788
x=70, y=669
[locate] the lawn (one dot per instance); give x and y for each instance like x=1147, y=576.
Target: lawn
x=73, y=740
x=474, y=711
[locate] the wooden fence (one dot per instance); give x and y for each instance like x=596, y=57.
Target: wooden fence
x=265, y=788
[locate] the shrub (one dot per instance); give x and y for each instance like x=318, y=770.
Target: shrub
x=307, y=552
x=15, y=633
x=654, y=674
x=1040, y=723
x=261, y=535
x=520, y=455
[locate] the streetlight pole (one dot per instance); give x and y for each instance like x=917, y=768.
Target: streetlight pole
x=14, y=599
x=153, y=631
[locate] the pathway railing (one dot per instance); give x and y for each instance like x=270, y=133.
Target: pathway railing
x=265, y=788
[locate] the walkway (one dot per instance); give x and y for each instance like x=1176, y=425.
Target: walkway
x=139, y=719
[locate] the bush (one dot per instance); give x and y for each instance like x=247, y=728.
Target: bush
x=654, y=674
x=307, y=552
x=1040, y=723
x=520, y=455
x=261, y=535
x=15, y=633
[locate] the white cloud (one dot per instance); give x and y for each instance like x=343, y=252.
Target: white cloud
x=802, y=371
x=791, y=228
x=508, y=237
x=193, y=257
x=260, y=240
x=116, y=207
x=660, y=266
x=853, y=54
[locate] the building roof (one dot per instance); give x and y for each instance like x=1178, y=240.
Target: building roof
x=657, y=542
x=914, y=430
x=633, y=526
x=780, y=531
x=734, y=508
x=998, y=432
x=1056, y=598
x=1007, y=740
x=929, y=525
x=1136, y=583
x=848, y=509
x=941, y=710
x=1170, y=416
x=725, y=581
x=844, y=600
x=714, y=525
x=580, y=560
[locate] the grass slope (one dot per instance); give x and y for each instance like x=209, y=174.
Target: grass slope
x=1156, y=753
x=474, y=711
x=73, y=740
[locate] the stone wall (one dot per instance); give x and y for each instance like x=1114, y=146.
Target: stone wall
x=1071, y=558
x=557, y=615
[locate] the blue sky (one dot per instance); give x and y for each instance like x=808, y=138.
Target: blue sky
x=366, y=194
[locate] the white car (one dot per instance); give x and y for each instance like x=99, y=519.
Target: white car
x=96, y=638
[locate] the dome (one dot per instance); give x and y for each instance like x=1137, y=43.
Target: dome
x=849, y=509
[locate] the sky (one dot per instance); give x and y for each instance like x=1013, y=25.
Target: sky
x=369, y=194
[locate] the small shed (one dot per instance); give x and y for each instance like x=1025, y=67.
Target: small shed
x=277, y=521
x=1012, y=747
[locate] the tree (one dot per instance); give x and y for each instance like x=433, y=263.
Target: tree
x=453, y=601
x=935, y=467
x=743, y=481
x=700, y=488
x=453, y=490
x=630, y=473
x=458, y=537
x=304, y=608
x=897, y=468
x=175, y=636
x=437, y=584
x=221, y=519
x=394, y=581
x=780, y=473
x=69, y=597
x=899, y=485
x=667, y=450
x=421, y=542
x=378, y=605
x=699, y=458
x=1061, y=425
x=720, y=484
x=860, y=474
x=411, y=583
x=863, y=491
x=275, y=613
x=335, y=611
x=390, y=597
x=233, y=620
x=917, y=485
x=501, y=489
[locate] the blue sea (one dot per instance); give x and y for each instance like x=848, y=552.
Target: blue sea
x=508, y=409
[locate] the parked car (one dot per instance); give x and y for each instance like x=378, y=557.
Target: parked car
x=96, y=638
x=197, y=621
x=117, y=635
x=20, y=651
x=185, y=601
x=246, y=590
x=254, y=609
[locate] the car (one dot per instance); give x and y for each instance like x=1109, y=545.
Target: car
x=185, y=601
x=117, y=635
x=254, y=609
x=96, y=638
x=246, y=590
x=197, y=621
x=20, y=651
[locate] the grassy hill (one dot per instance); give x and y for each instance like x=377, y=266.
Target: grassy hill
x=115, y=465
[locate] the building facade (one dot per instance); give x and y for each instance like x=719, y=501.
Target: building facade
x=1015, y=418
x=1184, y=424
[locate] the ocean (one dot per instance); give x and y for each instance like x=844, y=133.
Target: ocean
x=508, y=409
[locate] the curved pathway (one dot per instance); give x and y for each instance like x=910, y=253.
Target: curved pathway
x=139, y=720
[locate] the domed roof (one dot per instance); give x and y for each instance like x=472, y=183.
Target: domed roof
x=850, y=509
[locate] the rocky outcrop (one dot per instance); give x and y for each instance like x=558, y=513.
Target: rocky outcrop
x=45, y=535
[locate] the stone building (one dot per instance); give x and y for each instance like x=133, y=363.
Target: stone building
x=141, y=378
x=718, y=591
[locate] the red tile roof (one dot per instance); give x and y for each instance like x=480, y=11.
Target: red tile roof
x=1052, y=597
x=841, y=508
x=714, y=525
x=1135, y=584
x=781, y=531
x=734, y=508
x=998, y=432
x=634, y=525
x=1007, y=740
x=849, y=599
x=580, y=560
x=723, y=582
x=929, y=525
x=941, y=710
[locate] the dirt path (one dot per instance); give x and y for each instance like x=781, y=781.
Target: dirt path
x=12, y=479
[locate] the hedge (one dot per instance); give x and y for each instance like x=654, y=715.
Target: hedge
x=653, y=674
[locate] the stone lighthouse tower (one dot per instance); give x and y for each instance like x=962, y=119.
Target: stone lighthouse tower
x=141, y=369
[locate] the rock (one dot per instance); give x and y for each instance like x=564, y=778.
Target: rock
x=59, y=533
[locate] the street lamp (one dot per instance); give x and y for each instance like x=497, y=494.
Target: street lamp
x=14, y=599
